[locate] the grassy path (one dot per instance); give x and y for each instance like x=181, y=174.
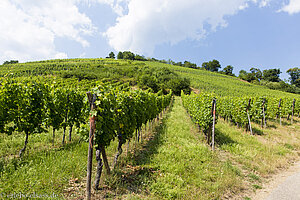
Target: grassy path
x=176, y=164
x=190, y=170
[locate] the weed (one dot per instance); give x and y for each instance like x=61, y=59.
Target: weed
x=256, y=186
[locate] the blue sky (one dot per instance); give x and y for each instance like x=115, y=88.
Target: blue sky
x=242, y=33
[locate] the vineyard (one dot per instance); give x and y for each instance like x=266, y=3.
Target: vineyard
x=92, y=108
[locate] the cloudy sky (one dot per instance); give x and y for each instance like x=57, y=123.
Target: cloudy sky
x=241, y=33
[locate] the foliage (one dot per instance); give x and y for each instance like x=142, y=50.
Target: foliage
x=185, y=64
x=163, y=79
x=255, y=75
x=127, y=55
x=31, y=107
x=271, y=75
x=294, y=76
x=120, y=55
x=120, y=112
x=111, y=55
x=228, y=71
x=10, y=62
x=212, y=66
x=200, y=108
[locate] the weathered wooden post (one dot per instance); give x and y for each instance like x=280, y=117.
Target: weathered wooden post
x=213, y=126
x=293, y=110
x=279, y=109
x=249, y=117
x=92, y=99
x=264, y=115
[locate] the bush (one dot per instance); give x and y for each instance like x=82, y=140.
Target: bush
x=178, y=84
x=163, y=79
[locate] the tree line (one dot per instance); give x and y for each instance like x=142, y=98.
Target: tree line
x=268, y=77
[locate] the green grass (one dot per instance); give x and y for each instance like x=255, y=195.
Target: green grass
x=44, y=170
x=190, y=169
x=264, y=153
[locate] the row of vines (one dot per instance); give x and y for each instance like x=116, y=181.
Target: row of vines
x=34, y=107
x=116, y=113
x=120, y=114
x=239, y=110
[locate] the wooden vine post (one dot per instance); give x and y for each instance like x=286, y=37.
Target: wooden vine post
x=279, y=109
x=92, y=99
x=293, y=110
x=214, y=123
x=249, y=117
x=264, y=125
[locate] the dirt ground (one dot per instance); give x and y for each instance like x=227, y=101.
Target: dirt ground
x=275, y=181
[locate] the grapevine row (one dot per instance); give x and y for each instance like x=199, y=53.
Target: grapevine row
x=31, y=107
x=118, y=114
x=239, y=110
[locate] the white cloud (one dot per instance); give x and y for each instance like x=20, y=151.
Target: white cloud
x=29, y=28
x=118, y=6
x=292, y=8
x=151, y=23
x=264, y=3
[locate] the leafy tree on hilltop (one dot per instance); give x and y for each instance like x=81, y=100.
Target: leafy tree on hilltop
x=256, y=73
x=111, y=55
x=249, y=77
x=271, y=75
x=212, y=66
x=138, y=57
x=120, y=55
x=228, y=70
x=10, y=62
x=128, y=55
x=243, y=74
x=295, y=76
x=189, y=65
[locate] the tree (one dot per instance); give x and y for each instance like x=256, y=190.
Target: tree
x=179, y=64
x=297, y=83
x=189, y=65
x=128, y=55
x=120, y=55
x=228, y=70
x=179, y=84
x=10, y=62
x=256, y=73
x=271, y=75
x=212, y=66
x=111, y=55
x=294, y=76
x=243, y=74
x=254, y=76
x=138, y=57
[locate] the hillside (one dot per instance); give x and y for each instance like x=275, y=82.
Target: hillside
x=167, y=150
x=84, y=70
